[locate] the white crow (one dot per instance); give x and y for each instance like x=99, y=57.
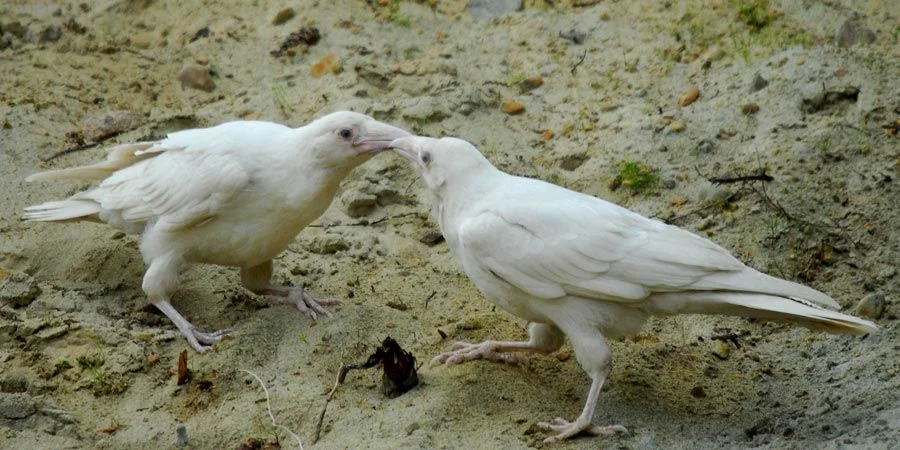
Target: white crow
x=575, y=265
x=235, y=195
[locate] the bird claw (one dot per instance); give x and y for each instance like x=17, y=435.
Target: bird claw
x=197, y=338
x=464, y=351
x=568, y=429
x=298, y=297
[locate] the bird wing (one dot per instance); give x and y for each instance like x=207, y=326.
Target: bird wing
x=551, y=242
x=181, y=187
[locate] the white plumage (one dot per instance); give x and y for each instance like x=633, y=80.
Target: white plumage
x=578, y=266
x=235, y=194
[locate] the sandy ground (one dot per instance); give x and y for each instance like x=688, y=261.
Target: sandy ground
x=87, y=364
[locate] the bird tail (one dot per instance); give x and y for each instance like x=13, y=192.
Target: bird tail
x=119, y=157
x=760, y=306
x=63, y=211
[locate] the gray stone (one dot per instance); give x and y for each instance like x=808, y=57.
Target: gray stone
x=16, y=29
x=327, y=244
x=110, y=123
x=16, y=406
x=489, y=9
x=423, y=109
x=50, y=33
x=14, y=382
x=871, y=306
x=758, y=83
x=17, y=289
x=359, y=204
x=853, y=33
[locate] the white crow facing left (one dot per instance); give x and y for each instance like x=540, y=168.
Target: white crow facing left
x=575, y=265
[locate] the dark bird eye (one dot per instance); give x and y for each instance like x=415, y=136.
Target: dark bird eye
x=345, y=133
x=426, y=157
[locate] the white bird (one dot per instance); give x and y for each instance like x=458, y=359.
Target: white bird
x=575, y=265
x=235, y=195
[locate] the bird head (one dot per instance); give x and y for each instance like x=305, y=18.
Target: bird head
x=346, y=135
x=439, y=160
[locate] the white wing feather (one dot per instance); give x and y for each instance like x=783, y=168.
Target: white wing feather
x=551, y=242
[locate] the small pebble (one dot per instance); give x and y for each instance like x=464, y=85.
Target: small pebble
x=852, y=33
x=721, y=349
x=195, y=76
x=871, y=306
x=531, y=83
x=16, y=406
x=110, y=123
x=758, y=83
x=283, y=16
x=750, y=108
x=328, y=64
x=676, y=127
x=512, y=107
x=432, y=238
x=689, y=97
x=17, y=289
x=182, y=436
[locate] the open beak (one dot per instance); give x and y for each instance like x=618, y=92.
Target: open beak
x=404, y=148
x=378, y=136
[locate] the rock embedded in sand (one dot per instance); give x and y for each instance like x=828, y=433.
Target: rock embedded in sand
x=871, y=306
x=721, y=349
x=531, y=83
x=110, y=123
x=758, y=83
x=676, y=127
x=16, y=406
x=853, y=32
x=750, y=108
x=327, y=244
x=195, y=76
x=328, y=63
x=689, y=97
x=14, y=382
x=489, y=9
x=283, y=16
x=17, y=289
x=513, y=107
x=359, y=204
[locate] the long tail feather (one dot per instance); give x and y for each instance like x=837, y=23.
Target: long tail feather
x=119, y=157
x=761, y=306
x=63, y=210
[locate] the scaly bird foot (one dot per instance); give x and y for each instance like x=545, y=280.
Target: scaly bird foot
x=568, y=429
x=298, y=297
x=464, y=351
x=197, y=338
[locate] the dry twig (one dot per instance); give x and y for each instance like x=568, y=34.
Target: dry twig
x=269, y=410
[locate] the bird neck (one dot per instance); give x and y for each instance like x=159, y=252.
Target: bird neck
x=464, y=191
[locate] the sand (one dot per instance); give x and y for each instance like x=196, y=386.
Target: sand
x=86, y=363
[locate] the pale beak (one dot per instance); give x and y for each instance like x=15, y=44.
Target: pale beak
x=378, y=136
x=404, y=148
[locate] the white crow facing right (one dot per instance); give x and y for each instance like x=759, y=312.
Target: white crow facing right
x=235, y=195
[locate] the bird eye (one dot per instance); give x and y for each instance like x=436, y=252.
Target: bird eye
x=345, y=133
x=426, y=157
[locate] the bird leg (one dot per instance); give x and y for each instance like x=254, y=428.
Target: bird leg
x=195, y=337
x=542, y=338
x=160, y=281
x=257, y=279
x=591, y=352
